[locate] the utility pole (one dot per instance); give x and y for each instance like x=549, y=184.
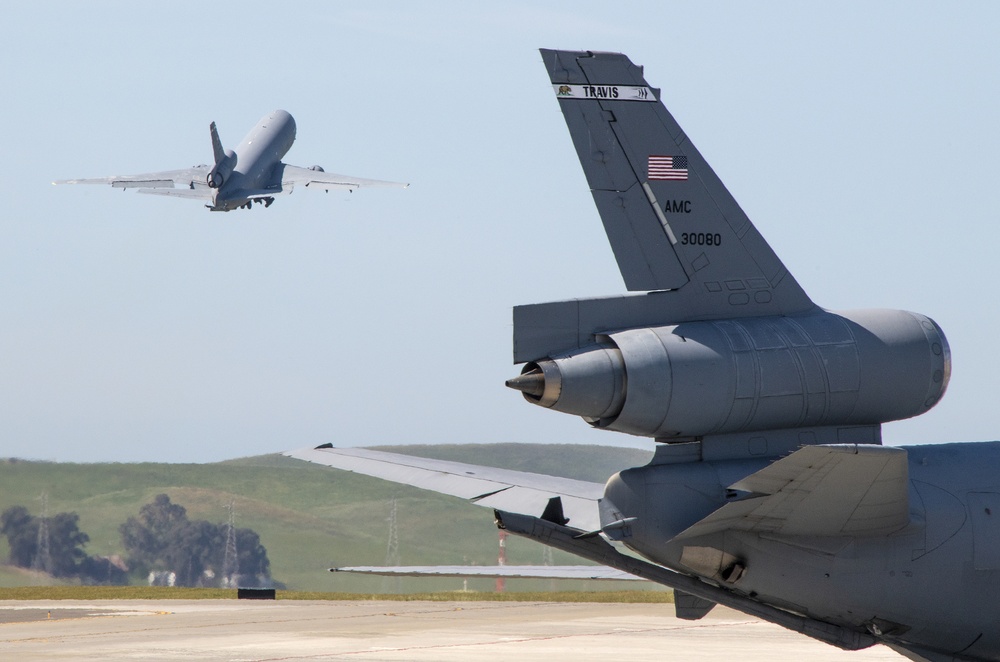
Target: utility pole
x=230, y=560
x=43, y=557
x=392, y=549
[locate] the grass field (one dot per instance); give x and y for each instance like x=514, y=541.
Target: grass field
x=311, y=518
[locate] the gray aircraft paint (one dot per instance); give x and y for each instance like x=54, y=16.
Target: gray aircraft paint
x=771, y=492
x=253, y=172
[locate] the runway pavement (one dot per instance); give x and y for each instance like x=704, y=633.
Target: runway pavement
x=394, y=631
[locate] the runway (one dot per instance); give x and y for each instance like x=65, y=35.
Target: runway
x=394, y=631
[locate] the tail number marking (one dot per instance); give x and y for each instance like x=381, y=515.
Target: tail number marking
x=701, y=239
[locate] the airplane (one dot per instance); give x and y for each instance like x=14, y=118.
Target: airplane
x=770, y=491
x=253, y=172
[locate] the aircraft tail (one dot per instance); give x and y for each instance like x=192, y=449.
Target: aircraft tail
x=675, y=230
x=671, y=222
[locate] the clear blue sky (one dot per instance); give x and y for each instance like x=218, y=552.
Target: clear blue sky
x=861, y=138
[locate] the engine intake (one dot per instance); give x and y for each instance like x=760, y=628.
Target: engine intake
x=692, y=379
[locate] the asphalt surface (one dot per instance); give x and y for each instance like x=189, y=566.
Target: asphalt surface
x=394, y=631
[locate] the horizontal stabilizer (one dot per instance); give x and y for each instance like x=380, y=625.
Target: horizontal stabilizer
x=516, y=491
x=505, y=571
x=820, y=491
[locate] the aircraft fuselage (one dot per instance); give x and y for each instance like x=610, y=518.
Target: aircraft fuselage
x=917, y=584
x=258, y=155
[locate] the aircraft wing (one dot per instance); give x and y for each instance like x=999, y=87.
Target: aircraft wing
x=834, y=490
x=191, y=178
x=200, y=193
x=514, y=491
x=319, y=179
x=506, y=571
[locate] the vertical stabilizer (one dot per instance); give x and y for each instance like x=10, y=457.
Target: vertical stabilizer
x=671, y=222
x=217, y=150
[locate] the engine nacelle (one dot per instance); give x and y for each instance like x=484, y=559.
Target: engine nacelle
x=697, y=378
x=220, y=173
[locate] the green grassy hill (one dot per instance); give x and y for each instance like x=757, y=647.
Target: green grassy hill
x=310, y=517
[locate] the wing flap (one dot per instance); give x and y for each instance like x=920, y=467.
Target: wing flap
x=151, y=183
x=690, y=607
x=192, y=194
x=517, y=491
x=821, y=491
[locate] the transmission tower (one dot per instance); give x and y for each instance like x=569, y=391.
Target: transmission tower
x=392, y=550
x=231, y=560
x=43, y=558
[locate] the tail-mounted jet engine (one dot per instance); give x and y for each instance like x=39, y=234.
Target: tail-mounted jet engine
x=223, y=168
x=758, y=373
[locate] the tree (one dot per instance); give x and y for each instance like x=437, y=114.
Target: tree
x=147, y=536
x=253, y=565
x=163, y=538
x=65, y=540
x=21, y=530
x=196, y=549
x=100, y=570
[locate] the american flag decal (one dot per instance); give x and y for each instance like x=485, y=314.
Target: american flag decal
x=667, y=168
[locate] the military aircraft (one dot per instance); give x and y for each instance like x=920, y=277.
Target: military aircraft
x=770, y=491
x=253, y=172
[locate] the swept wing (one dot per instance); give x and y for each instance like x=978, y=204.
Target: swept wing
x=187, y=178
x=516, y=491
x=505, y=571
x=292, y=176
x=192, y=194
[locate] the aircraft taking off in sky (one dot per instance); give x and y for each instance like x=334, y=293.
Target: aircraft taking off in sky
x=253, y=172
x=770, y=491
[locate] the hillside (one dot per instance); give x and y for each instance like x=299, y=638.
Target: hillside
x=310, y=517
